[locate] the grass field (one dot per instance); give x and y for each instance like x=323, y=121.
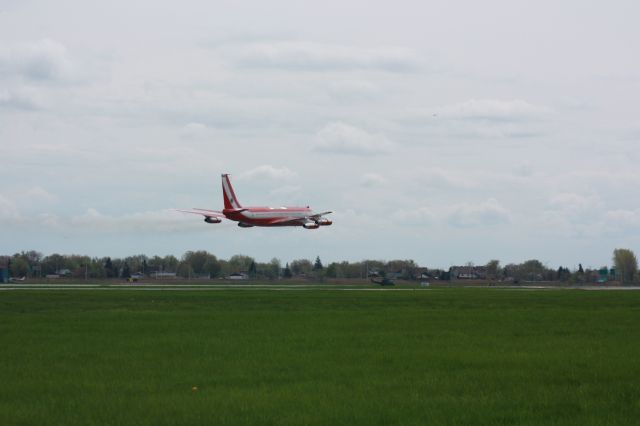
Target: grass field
x=441, y=356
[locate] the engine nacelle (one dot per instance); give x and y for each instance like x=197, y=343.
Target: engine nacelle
x=210, y=219
x=311, y=225
x=244, y=225
x=324, y=222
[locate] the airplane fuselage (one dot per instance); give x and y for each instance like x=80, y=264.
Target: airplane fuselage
x=266, y=216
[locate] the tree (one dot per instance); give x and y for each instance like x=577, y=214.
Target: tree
x=287, y=271
x=301, y=267
x=196, y=259
x=184, y=270
x=532, y=270
x=198, y=262
x=403, y=268
x=170, y=263
x=240, y=263
x=53, y=263
x=19, y=266
x=126, y=271
x=318, y=264
x=332, y=270
x=155, y=264
x=563, y=274
x=108, y=267
x=626, y=264
x=493, y=269
x=274, y=267
x=96, y=268
x=212, y=266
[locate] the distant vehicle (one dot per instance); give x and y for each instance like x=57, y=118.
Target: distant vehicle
x=383, y=281
x=248, y=217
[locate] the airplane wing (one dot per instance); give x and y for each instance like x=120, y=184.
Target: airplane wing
x=203, y=212
x=299, y=220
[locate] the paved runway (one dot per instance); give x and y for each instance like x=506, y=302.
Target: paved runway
x=267, y=287
x=194, y=287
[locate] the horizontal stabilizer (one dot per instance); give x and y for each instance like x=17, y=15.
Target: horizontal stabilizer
x=318, y=215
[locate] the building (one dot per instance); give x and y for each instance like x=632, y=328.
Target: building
x=237, y=276
x=468, y=272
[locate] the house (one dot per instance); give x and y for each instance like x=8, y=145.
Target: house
x=468, y=272
x=165, y=275
x=237, y=276
x=423, y=274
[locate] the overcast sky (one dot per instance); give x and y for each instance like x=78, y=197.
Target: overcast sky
x=444, y=132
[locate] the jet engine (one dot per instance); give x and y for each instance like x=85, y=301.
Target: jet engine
x=311, y=225
x=244, y=225
x=324, y=222
x=210, y=219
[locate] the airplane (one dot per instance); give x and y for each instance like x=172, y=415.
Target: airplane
x=248, y=217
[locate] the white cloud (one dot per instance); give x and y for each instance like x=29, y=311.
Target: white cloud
x=8, y=211
x=42, y=60
x=621, y=221
x=320, y=57
x=340, y=138
x=193, y=131
x=350, y=223
x=436, y=178
x=487, y=213
x=524, y=170
x=492, y=110
x=571, y=202
x=417, y=216
x=286, y=190
x=371, y=180
x=481, y=118
x=353, y=90
x=139, y=222
x=38, y=195
x=19, y=99
x=93, y=221
x=267, y=171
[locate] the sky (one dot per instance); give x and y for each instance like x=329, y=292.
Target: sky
x=443, y=132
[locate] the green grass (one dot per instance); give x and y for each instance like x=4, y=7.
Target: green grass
x=443, y=356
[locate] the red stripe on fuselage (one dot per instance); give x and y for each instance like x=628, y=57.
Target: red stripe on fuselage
x=266, y=216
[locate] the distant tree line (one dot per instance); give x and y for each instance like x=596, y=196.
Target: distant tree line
x=192, y=264
x=624, y=269
x=202, y=264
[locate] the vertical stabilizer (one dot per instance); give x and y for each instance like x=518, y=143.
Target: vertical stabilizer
x=230, y=200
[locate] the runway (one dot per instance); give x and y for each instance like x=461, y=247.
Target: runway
x=195, y=287
x=271, y=287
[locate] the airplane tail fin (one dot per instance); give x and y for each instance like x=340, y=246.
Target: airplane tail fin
x=230, y=200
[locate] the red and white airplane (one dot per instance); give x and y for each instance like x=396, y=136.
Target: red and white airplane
x=260, y=216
